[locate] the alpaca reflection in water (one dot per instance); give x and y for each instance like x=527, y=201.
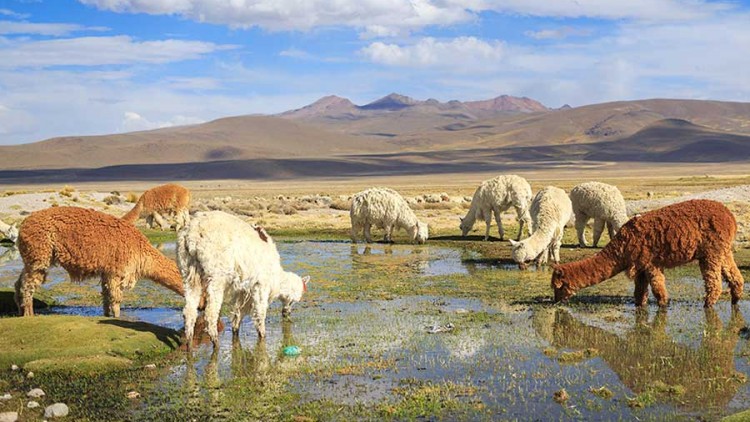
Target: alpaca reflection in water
x=646, y=354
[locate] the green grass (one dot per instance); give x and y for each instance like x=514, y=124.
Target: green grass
x=80, y=344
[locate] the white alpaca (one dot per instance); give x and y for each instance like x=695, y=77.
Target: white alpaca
x=223, y=255
x=602, y=202
x=10, y=231
x=495, y=196
x=550, y=211
x=386, y=209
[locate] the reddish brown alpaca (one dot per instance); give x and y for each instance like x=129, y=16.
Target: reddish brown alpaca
x=87, y=244
x=665, y=238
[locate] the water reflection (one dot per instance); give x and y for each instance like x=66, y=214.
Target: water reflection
x=647, y=357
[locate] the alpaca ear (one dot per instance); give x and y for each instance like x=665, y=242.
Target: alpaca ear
x=461, y=219
x=513, y=243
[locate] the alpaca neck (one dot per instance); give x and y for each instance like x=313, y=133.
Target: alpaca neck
x=135, y=212
x=163, y=271
x=538, y=241
x=594, y=269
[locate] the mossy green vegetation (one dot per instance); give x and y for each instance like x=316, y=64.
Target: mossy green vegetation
x=80, y=344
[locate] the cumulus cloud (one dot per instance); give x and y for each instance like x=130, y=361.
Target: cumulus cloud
x=461, y=52
x=378, y=18
x=133, y=121
x=96, y=51
x=295, y=53
x=52, y=29
x=12, y=14
x=558, y=33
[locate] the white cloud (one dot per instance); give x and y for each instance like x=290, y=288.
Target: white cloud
x=53, y=29
x=456, y=53
x=295, y=53
x=558, y=33
x=95, y=51
x=12, y=14
x=133, y=121
x=379, y=18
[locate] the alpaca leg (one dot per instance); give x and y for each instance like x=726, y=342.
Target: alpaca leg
x=354, y=232
x=260, y=306
x=711, y=271
x=237, y=313
x=212, y=313
x=388, y=236
x=736, y=282
x=610, y=230
x=368, y=235
x=658, y=285
x=641, y=290
x=555, y=249
x=488, y=223
x=190, y=311
x=499, y=221
x=521, y=222
x=112, y=295
x=581, y=221
x=163, y=224
x=150, y=221
x=598, y=229
x=26, y=285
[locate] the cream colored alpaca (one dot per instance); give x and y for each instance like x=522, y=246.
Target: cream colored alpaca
x=225, y=256
x=386, y=209
x=495, y=196
x=550, y=211
x=602, y=202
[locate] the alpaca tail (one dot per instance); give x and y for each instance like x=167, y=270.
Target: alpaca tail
x=134, y=213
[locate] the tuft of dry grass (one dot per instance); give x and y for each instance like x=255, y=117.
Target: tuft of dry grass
x=132, y=197
x=67, y=191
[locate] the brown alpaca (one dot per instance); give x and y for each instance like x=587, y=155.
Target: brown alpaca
x=665, y=238
x=87, y=244
x=160, y=201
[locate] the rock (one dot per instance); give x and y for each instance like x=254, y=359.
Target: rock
x=150, y=366
x=35, y=393
x=14, y=367
x=32, y=405
x=133, y=395
x=57, y=410
x=561, y=396
x=8, y=417
x=6, y=396
x=30, y=375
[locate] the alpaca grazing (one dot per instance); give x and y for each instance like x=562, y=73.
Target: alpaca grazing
x=10, y=231
x=387, y=210
x=87, y=244
x=700, y=230
x=495, y=196
x=602, y=202
x=170, y=199
x=223, y=255
x=550, y=211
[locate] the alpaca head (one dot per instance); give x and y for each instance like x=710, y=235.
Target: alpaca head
x=465, y=226
x=419, y=233
x=292, y=289
x=521, y=253
x=561, y=284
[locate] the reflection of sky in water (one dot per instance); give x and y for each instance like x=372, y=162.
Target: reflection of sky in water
x=503, y=358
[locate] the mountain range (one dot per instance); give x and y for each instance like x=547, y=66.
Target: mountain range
x=404, y=130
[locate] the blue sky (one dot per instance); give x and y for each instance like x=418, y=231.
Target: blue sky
x=78, y=67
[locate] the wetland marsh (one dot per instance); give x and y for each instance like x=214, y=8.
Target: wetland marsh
x=367, y=351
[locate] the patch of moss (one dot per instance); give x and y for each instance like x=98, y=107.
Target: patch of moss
x=63, y=342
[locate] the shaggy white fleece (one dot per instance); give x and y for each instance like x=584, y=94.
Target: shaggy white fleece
x=388, y=210
x=550, y=211
x=495, y=196
x=602, y=202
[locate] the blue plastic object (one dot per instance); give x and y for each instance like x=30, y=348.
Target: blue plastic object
x=291, y=351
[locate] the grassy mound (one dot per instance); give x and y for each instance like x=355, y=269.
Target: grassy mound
x=80, y=344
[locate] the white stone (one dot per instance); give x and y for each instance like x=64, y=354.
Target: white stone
x=14, y=367
x=30, y=375
x=35, y=393
x=32, y=405
x=57, y=410
x=133, y=395
x=6, y=396
x=150, y=366
x=8, y=417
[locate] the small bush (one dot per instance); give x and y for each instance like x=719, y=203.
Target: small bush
x=341, y=204
x=131, y=197
x=67, y=191
x=113, y=200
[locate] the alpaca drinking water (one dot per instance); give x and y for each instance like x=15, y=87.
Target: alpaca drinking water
x=675, y=235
